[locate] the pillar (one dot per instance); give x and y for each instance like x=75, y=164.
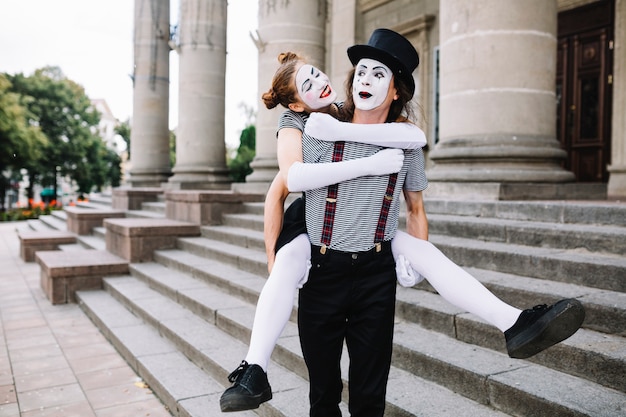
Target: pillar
x=617, y=179
x=497, y=95
x=200, y=146
x=149, y=143
x=297, y=26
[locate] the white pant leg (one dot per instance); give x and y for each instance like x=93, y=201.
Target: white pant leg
x=277, y=297
x=452, y=282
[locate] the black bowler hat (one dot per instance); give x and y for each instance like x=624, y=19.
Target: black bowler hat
x=393, y=50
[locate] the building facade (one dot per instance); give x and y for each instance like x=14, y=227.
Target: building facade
x=519, y=99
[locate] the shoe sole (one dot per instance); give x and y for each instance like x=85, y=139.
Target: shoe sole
x=242, y=403
x=562, y=321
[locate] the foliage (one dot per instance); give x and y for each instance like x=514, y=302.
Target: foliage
x=20, y=141
x=63, y=114
x=240, y=165
x=123, y=129
x=36, y=210
x=172, y=149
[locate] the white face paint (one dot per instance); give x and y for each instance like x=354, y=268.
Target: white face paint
x=314, y=87
x=370, y=84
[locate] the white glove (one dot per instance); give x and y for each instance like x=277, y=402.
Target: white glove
x=324, y=127
x=407, y=276
x=305, y=277
x=304, y=177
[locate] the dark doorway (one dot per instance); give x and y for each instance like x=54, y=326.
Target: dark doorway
x=584, y=88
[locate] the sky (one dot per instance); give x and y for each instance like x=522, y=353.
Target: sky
x=92, y=42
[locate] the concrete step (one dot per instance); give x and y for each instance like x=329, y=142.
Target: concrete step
x=92, y=242
x=59, y=214
x=290, y=390
x=251, y=221
x=183, y=386
x=507, y=384
x=595, y=238
x=612, y=213
x=606, y=309
x=487, y=377
x=589, y=354
x=574, y=266
x=200, y=298
x=235, y=235
x=99, y=232
x=144, y=214
x=156, y=207
x=596, y=356
x=39, y=225
x=95, y=204
x=246, y=259
x=102, y=199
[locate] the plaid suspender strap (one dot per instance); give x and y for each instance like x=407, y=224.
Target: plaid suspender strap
x=379, y=236
x=331, y=202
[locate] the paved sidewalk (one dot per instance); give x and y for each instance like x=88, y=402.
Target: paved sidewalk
x=54, y=362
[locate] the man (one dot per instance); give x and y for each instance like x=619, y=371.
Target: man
x=351, y=291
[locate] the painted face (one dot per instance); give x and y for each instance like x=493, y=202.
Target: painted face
x=314, y=87
x=370, y=84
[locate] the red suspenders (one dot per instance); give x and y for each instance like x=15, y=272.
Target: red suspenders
x=331, y=202
x=331, y=206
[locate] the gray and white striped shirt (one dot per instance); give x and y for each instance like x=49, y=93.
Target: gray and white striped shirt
x=358, y=200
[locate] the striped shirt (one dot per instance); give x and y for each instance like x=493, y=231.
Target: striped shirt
x=359, y=200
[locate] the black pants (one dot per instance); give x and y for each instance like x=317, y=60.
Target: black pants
x=348, y=297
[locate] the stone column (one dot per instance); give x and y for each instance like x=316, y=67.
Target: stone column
x=297, y=26
x=200, y=146
x=617, y=179
x=149, y=143
x=497, y=94
x=343, y=35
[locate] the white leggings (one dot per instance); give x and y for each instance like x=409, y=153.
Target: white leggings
x=452, y=282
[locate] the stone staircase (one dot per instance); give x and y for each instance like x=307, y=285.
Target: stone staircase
x=183, y=321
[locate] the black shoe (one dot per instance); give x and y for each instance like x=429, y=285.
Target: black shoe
x=250, y=388
x=542, y=326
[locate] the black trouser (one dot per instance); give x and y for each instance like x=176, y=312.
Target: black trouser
x=352, y=297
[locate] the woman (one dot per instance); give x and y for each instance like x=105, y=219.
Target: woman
x=314, y=93
x=294, y=87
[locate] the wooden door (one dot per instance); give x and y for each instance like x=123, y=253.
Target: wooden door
x=584, y=89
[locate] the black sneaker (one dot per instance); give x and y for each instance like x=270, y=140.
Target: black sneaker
x=542, y=326
x=250, y=388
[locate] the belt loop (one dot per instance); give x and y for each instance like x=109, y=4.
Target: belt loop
x=323, y=249
x=379, y=247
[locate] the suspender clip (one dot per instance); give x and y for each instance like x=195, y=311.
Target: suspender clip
x=378, y=246
x=323, y=250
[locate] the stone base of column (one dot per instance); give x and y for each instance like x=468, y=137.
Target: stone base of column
x=205, y=179
x=250, y=187
x=206, y=207
x=617, y=182
x=126, y=198
x=147, y=179
x=499, y=158
x=264, y=170
x=493, y=191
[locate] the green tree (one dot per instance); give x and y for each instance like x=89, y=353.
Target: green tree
x=172, y=149
x=20, y=141
x=123, y=129
x=240, y=165
x=66, y=116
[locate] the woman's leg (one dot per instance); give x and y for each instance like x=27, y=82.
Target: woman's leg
x=453, y=283
x=276, y=300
